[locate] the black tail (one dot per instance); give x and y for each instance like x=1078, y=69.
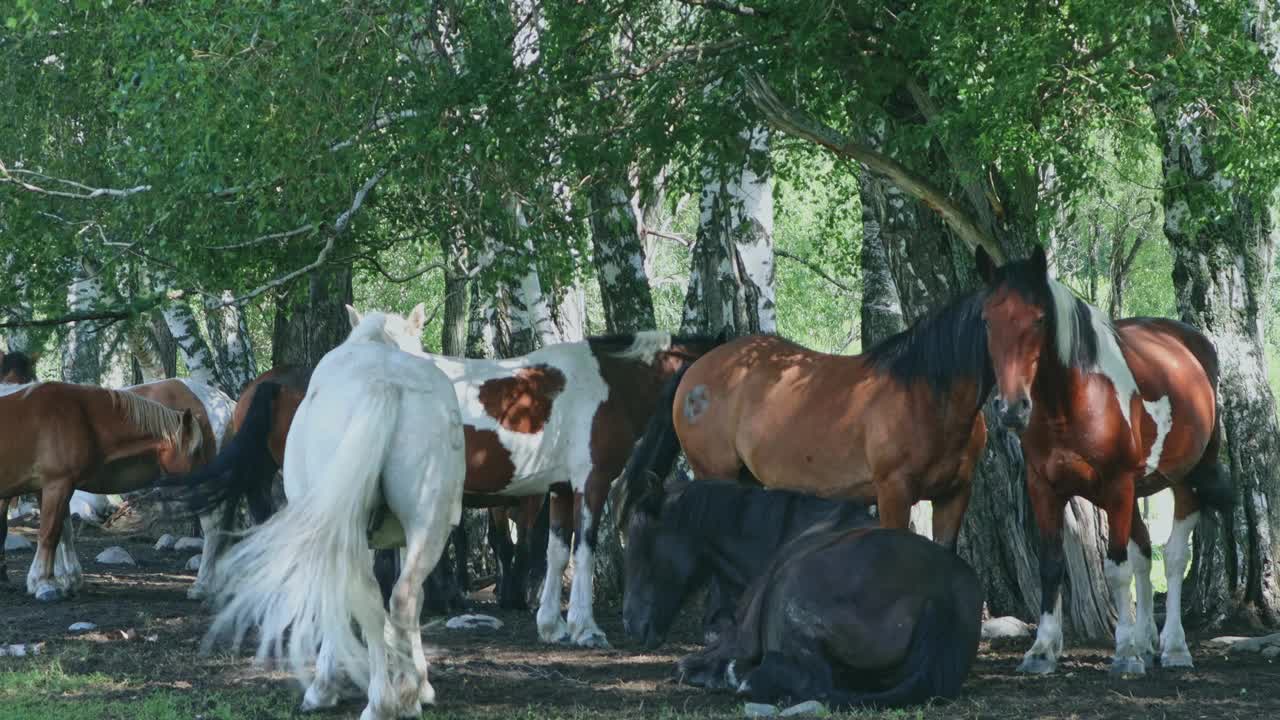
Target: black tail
x=1209, y=480
x=941, y=653
x=656, y=453
x=244, y=468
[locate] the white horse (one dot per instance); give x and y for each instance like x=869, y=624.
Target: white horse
x=378, y=428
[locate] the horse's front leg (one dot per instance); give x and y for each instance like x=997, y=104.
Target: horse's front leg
x=551, y=626
x=1118, y=568
x=1042, y=658
x=55, y=504
x=582, y=623
x=4, y=535
x=213, y=525
x=1144, y=627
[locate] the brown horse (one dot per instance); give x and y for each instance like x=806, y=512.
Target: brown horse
x=898, y=424
x=15, y=369
x=1107, y=412
x=58, y=437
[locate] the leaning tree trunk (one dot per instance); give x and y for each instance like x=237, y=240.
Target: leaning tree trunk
x=1223, y=247
x=80, y=355
x=619, y=258
x=311, y=318
x=191, y=343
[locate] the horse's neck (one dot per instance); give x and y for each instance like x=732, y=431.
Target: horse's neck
x=117, y=435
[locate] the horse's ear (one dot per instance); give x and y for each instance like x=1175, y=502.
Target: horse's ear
x=353, y=315
x=986, y=266
x=418, y=318
x=1039, y=262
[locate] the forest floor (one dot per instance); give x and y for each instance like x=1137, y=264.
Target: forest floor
x=142, y=663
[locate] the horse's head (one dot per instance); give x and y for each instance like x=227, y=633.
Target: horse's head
x=403, y=332
x=661, y=565
x=17, y=368
x=177, y=453
x=1019, y=316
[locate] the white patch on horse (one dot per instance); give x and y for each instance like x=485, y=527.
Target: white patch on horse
x=1110, y=361
x=10, y=389
x=561, y=448
x=1161, y=413
x=646, y=346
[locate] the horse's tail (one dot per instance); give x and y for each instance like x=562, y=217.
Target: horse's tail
x=936, y=664
x=1209, y=480
x=308, y=570
x=656, y=452
x=243, y=469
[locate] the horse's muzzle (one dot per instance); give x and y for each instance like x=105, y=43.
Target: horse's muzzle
x=1013, y=416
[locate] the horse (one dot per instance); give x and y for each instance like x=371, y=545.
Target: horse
x=1109, y=412
x=861, y=617
x=897, y=424
x=16, y=368
x=57, y=437
x=716, y=532
x=378, y=435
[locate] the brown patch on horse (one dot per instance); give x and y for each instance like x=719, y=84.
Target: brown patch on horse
x=489, y=466
x=522, y=402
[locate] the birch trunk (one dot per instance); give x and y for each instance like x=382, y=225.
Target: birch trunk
x=232, y=345
x=191, y=343
x=80, y=356
x=619, y=258
x=1224, y=251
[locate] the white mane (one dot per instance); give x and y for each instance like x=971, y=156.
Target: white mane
x=10, y=389
x=1109, y=360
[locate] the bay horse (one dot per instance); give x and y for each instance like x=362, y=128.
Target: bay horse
x=711, y=532
x=1109, y=412
x=563, y=419
x=379, y=435
x=897, y=424
x=59, y=437
x=852, y=617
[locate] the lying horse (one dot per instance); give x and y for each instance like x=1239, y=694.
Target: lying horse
x=1109, y=412
x=711, y=531
x=56, y=438
x=898, y=424
x=377, y=435
x=853, y=618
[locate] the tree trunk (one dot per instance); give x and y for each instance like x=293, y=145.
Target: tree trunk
x=80, y=356
x=619, y=258
x=454, y=326
x=195, y=351
x=731, y=274
x=232, y=345
x=311, y=318
x=145, y=349
x=481, y=323
x=1223, y=248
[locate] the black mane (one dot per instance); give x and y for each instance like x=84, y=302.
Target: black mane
x=947, y=344
x=17, y=362
x=711, y=508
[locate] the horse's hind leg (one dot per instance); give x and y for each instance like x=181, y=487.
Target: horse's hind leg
x=1144, y=628
x=424, y=547
x=54, y=505
x=1173, y=640
x=551, y=626
x=582, y=624
x=213, y=525
x=4, y=535
x=784, y=678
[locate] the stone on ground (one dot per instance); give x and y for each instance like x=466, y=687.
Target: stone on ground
x=1005, y=627
x=82, y=627
x=115, y=555
x=166, y=542
x=194, y=562
x=13, y=543
x=474, y=622
x=1248, y=644
x=188, y=543
x=757, y=710
x=21, y=650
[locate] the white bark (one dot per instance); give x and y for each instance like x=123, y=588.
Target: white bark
x=229, y=336
x=751, y=227
x=195, y=351
x=80, y=354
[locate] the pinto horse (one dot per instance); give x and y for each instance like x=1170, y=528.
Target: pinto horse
x=862, y=617
x=716, y=532
x=563, y=419
x=898, y=424
x=1107, y=412
x=378, y=435
x=58, y=437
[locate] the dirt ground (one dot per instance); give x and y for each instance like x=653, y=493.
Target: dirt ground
x=148, y=635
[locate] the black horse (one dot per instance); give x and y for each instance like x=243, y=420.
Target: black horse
x=844, y=613
x=713, y=533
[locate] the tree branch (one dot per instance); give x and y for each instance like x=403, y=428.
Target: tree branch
x=795, y=122
x=729, y=7
x=112, y=315
x=309, y=227
x=814, y=269
x=380, y=123
x=85, y=191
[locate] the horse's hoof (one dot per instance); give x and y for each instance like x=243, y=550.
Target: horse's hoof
x=427, y=695
x=1038, y=665
x=555, y=632
x=593, y=638
x=1128, y=666
x=50, y=594
x=1177, y=660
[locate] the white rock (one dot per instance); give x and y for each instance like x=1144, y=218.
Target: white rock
x=754, y=710
x=474, y=622
x=811, y=708
x=188, y=543
x=91, y=508
x=16, y=542
x=1005, y=627
x=22, y=509
x=115, y=555
x=1271, y=652
x=194, y=562
x=1226, y=640
x=166, y=542
x=1253, y=644
x=82, y=627
x=20, y=650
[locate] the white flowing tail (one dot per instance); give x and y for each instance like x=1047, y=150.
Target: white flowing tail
x=308, y=569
